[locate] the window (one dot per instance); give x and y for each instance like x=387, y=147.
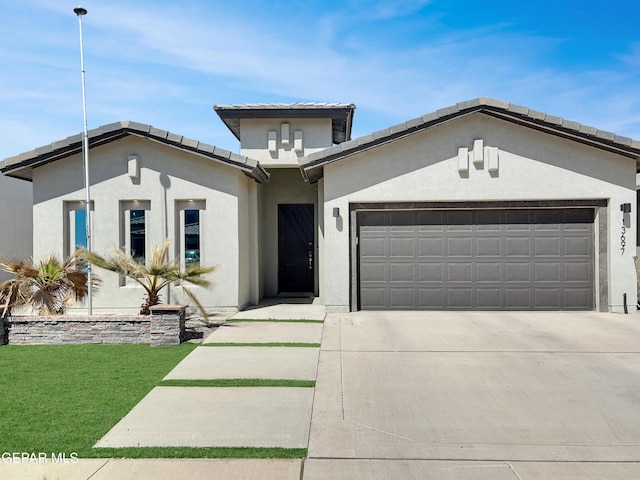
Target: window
x=75, y=226
x=133, y=229
x=189, y=231
x=191, y=237
x=80, y=228
x=137, y=235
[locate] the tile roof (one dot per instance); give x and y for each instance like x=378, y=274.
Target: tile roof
x=341, y=115
x=21, y=166
x=313, y=164
x=283, y=106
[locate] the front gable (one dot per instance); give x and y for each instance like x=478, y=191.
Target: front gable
x=313, y=165
x=478, y=157
x=23, y=165
x=132, y=166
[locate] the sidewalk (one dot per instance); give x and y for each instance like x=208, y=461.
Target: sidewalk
x=157, y=469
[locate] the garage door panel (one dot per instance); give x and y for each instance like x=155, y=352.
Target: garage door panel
x=373, y=247
x=518, y=272
x=431, y=247
x=459, y=297
x=518, y=247
x=431, y=298
x=459, y=272
x=575, y=298
x=518, y=298
x=577, y=272
x=488, y=247
x=374, y=297
x=374, y=272
x=547, y=246
x=489, y=228
x=402, y=297
x=578, y=227
x=459, y=247
x=488, y=272
x=401, y=246
x=402, y=272
x=547, y=297
x=547, y=272
x=431, y=272
x=489, y=298
x=499, y=259
x=576, y=246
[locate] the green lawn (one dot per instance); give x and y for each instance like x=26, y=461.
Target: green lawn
x=271, y=320
x=63, y=398
x=267, y=345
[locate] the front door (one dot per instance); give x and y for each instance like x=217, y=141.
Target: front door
x=296, y=254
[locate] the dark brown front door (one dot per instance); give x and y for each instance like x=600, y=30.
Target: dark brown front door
x=296, y=253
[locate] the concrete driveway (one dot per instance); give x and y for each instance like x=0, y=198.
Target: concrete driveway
x=519, y=395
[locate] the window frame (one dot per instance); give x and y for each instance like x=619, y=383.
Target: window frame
x=182, y=206
x=70, y=224
x=126, y=206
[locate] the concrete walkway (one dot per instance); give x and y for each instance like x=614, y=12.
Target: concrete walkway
x=455, y=396
x=284, y=309
x=223, y=416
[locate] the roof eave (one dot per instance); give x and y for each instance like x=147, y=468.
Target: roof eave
x=341, y=116
x=599, y=140
x=22, y=165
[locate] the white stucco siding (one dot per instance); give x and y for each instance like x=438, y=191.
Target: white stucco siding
x=16, y=220
x=532, y=166
x=246, y=227
x=316, y=135
x=169, y=178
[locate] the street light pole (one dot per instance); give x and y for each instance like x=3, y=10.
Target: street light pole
x=80, y=12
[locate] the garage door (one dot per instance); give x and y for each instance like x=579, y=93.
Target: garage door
x=541, y=259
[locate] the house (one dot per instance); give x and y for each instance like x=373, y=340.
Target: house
x=483, y=205
x=16, y=233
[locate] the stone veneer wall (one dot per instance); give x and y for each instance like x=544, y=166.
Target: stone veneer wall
x=167, y=324
x=166, y=328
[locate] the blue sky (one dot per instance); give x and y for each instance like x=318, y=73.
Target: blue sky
x=166, y=63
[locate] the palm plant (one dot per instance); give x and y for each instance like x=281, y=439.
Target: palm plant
x=154, y=275
x=50, y=286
